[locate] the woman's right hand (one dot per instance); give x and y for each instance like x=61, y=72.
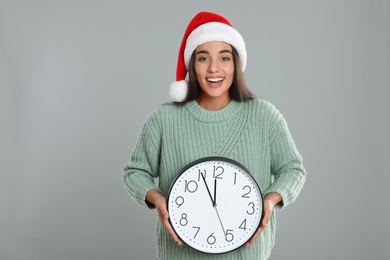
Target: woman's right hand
x=160, y=202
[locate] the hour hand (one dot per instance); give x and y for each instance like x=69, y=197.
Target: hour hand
x=215, y=193
x=208, y=190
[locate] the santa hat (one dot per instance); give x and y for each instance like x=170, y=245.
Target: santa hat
x=204, y=27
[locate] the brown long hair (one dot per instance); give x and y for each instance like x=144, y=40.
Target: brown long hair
x=238, y=90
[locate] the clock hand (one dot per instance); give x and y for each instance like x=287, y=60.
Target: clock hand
x=215, y=193
x=220, y=221
x=204, y=179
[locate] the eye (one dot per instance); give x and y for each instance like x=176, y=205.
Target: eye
x=202, y=59
x=225, y=58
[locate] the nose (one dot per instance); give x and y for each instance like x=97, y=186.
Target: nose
x=213, y=66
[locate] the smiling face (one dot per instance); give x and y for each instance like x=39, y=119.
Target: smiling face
x=214, y=68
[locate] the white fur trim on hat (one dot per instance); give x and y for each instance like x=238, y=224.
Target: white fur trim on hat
x=178, y=90
x=211, y=32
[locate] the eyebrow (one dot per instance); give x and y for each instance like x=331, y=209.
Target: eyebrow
x=206, y=52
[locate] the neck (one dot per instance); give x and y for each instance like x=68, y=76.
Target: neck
x=210, y=103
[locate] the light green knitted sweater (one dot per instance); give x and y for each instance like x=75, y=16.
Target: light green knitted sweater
x=253, y=133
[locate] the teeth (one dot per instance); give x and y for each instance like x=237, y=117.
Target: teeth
x=215, y=80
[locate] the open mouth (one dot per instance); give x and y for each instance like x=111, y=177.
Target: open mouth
x=215, y=80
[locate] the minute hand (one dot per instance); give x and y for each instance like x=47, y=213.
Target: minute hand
x=208, y=190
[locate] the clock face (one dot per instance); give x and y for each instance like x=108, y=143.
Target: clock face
x=215, y=205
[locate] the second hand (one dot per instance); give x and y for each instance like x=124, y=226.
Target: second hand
x=215, y=205
x=220, y=221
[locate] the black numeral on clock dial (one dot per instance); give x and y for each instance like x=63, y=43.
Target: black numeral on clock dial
x=179, y=201
x=218, y=171
x=243, y=225
x=211, y=239
x=246, y=188
x=252, y=209
x=191, y=186
x=229, y=235
x=183, y=221
x=201, y=175
x=197, y=231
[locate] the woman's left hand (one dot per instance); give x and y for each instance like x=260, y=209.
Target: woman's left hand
x=270, y=200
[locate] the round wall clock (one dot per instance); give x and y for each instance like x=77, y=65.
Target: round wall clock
x=215, y=205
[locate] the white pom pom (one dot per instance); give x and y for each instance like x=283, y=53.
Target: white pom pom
x=178, y=90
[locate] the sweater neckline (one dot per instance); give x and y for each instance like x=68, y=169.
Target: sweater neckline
x=212, y=115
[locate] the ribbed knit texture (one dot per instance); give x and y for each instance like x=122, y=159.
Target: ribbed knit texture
x=253, y=133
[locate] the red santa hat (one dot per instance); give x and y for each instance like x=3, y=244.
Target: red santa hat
x=204, y=27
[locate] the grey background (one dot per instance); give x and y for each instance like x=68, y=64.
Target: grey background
x=78, y=78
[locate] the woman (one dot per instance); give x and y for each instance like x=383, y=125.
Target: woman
x=214, y=114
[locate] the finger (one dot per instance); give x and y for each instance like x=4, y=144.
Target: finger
x=263, y=225
x=255, y=236
x=168, y=226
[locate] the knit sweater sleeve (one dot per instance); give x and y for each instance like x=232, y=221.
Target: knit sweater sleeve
x=286, y=164
x=142, y=169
